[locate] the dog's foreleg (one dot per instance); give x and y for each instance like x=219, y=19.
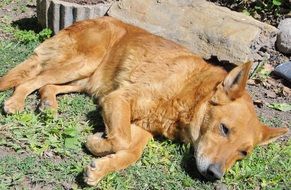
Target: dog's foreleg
x=99, y=168
x=116, y=115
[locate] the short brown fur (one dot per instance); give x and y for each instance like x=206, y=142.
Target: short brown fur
x=147, y=86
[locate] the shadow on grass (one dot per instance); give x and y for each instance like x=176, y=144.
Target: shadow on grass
x=28, y=24
x=80, y=180
x=188, y=162
x=95, y=119
x=189, y=165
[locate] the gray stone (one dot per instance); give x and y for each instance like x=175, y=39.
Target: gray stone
x=42, y=11
x=56, y=14
x=283, y=42
x=201, y=26
x=284, y=70
x=66, y=15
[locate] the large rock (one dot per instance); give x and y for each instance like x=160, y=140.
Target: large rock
x=206, y=29
x=283, y=42
x=58, y=14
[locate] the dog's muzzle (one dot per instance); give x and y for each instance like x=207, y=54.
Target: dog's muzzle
x=214, y=172
x=211, y=171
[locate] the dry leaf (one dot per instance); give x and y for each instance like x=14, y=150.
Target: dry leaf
x=286, y=91
x=251, y=82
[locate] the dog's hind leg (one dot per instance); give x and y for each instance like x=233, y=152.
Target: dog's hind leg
x=21, y=73
x=54, y=76
x=48, y=93
x=121, y=160
x=116, y=115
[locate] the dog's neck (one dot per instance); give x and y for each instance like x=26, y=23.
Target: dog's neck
x=201, y=89
x=181, y=107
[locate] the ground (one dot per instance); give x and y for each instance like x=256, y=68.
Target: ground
x=40, y=151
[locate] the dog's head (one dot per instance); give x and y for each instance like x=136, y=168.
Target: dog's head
x=230, y=128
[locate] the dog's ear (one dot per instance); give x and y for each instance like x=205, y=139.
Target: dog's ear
x=235, y=82
x=270, y=134
x=233, y=85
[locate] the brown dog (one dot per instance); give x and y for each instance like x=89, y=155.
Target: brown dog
x=147, y=86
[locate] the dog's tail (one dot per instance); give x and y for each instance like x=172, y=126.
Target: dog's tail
x=21, y=73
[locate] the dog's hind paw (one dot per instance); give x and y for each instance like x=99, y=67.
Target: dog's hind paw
x=12, y=106
x=48, y=105
x=95, y=171
x=98, y=145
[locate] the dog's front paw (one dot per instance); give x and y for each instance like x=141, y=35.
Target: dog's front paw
x=95, y=172
x=12, y=106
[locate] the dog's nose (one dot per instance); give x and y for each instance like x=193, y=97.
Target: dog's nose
x=214, y=172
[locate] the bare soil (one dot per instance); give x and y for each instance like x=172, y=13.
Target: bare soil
x=271, y=90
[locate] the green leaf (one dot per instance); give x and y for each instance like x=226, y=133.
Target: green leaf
x=44, y=34
x=280, y=106
x=246, y=12
x=71, y=143
x=258, y=7
x=71, y=132
x=277, y=2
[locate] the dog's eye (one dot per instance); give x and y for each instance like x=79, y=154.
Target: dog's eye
x=244, y=153
x=224, y=129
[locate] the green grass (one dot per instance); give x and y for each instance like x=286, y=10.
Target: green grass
x=46, y=151
x=5, y=2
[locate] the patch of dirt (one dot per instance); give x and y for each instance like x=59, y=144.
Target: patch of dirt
x=5, y=151
x=16, y=12
x=26, y=183
x=88, y=2
x=271, y=91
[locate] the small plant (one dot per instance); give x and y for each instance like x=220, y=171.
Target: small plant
x=44, y=34
x=262, y=71
x=30, y=36
x=269, y=6
x=270, y=11
x=25, y=36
